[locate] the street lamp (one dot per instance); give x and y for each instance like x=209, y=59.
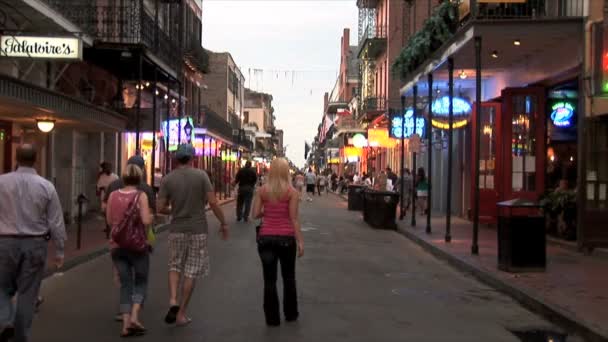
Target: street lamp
x=45, y=125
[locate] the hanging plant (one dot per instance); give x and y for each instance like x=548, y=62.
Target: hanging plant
x=436, y=30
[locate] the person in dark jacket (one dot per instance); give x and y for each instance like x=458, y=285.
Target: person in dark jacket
x=246, y=179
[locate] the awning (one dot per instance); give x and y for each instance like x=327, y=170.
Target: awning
x=24, y=102
x=547, y=48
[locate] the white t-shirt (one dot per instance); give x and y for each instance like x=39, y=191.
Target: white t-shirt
x=105, y=180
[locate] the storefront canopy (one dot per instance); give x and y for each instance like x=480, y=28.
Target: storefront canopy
x=545, y=48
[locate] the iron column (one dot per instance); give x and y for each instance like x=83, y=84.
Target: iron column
x=448, y=218
x=402, y=185
x=477, y=135
x=415, y=114
x=429, y=148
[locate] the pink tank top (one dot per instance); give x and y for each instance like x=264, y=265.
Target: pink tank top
x=276, y=221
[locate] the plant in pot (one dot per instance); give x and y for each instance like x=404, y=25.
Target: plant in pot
x=566, y=226
x=549, y=205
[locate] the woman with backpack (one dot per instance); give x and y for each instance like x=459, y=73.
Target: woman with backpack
x=128, y=213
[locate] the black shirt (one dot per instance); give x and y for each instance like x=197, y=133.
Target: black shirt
x=246, y=177
x=118, y=184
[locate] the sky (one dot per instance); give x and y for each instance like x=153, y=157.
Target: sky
x=288, y=48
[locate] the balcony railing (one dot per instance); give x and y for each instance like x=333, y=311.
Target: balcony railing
x=374, y=36
x=531, y=9
x=128, y=24
x=372, y=104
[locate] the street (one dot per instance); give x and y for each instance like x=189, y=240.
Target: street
x=354, y=283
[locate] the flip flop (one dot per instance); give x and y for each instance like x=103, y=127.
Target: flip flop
x=171, y=316
x=130, y=333
x=183, y=324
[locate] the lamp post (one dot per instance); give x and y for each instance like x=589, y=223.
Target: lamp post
x=477, y=133
x=415, y=116
x=429, y=132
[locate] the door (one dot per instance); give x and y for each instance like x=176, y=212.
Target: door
x=5, y=147
x=523, y=144
x=489, y=160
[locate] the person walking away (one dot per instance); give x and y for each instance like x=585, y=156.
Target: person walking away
x=300, y=184
x=246, y=179
x=31, y=214
x=321, y=183
x=311, y=181
x=422, y=191
x=184, y=193
x=104, y=179
x=407, y=189
x=392, y=177
x=142, y=186
x=128, y=213
x=279, y=240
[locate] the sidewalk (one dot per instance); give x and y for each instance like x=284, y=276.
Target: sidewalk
x=93, y=241
x=573, y=289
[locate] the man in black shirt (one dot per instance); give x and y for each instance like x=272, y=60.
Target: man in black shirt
x=392, y=176
x=245, y=179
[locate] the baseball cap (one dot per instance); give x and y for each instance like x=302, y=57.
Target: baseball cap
x=184, y=151
x=137, y=160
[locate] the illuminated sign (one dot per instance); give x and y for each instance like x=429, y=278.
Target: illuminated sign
x=441, y=111
x=41, y=47
x=441, y=106
x=229, y=156
x=378, y=137
x=562, y=113
x=359, y=140
x=171, y=132
x=395, y=121
x=350, y=151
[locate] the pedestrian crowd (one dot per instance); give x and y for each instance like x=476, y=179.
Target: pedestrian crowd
x=31, y=215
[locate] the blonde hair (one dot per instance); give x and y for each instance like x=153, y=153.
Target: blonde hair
x=132, y=175
x=278, y=182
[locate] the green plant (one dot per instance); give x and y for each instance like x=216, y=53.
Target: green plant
x=436, y=30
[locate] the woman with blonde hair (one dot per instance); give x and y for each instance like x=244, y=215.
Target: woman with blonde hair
x=279, y=240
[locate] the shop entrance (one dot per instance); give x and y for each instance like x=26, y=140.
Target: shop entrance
x=5, y=147
x=512, y=149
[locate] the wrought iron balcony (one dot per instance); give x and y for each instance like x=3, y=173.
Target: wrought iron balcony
x=531, y=9
x=374, y=104
x=367, y=3
x=373, y=42
x=128, y=24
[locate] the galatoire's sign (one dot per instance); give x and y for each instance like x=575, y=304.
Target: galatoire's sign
x=41, y=47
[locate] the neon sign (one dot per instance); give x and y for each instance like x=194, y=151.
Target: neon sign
x=441, y=106
x=408, y=125
x=446, y=125
x=562, y=113
x=171, y=133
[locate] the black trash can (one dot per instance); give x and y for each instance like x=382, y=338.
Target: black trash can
x=522, y=244
x=380, y=209
x=355, y=197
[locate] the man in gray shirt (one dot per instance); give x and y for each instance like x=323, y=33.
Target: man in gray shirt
x=184, y=193
x=30, y=215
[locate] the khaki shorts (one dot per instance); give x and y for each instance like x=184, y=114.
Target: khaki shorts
x=188, y=254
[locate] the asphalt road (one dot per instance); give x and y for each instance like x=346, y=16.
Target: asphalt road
x=354, y=283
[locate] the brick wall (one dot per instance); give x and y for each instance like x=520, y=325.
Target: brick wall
x=215, y=97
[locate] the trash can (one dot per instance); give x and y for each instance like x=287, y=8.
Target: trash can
x=380, y=209
x=522, y=244
x=355, y=197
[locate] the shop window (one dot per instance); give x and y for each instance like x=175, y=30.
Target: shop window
x=597, y=164
x=487, y=148
x=523, y=143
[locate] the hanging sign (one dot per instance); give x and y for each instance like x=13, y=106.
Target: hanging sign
x=69, y=48
x=441, y=111
x=562, y=114
x=408, y=125
x=378, y=137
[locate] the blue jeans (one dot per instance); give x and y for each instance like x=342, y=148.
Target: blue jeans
x=22, y=264
x=243, y=203
x=133, y=269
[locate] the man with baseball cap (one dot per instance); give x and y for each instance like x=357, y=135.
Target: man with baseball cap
x=184, y=193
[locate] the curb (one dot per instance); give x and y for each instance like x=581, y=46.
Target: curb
x=549, y=311
x=529, y=301
x=79, y=260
